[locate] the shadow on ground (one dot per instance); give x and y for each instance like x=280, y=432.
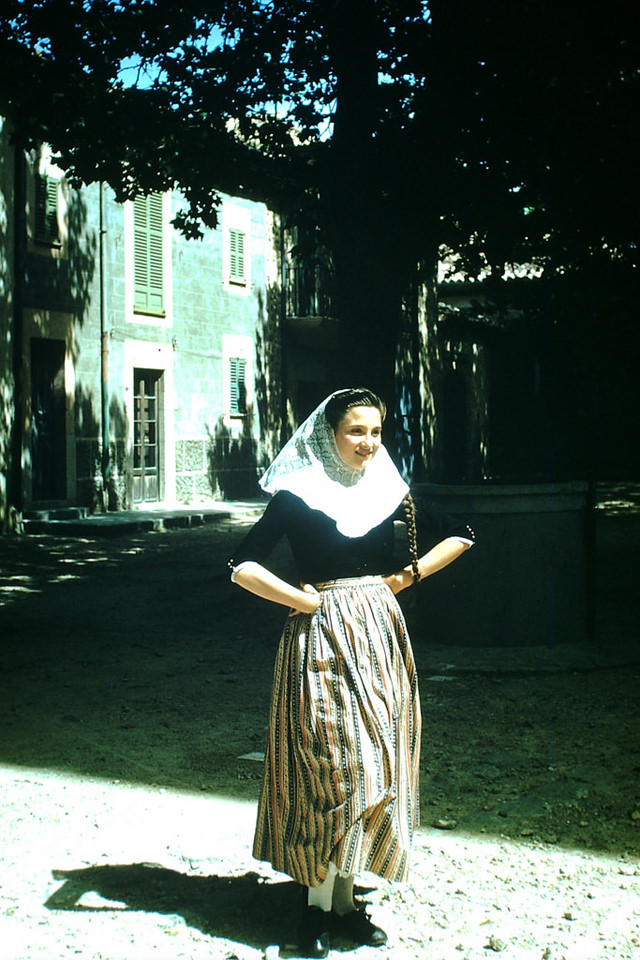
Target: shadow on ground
x=246, y=909
x=242, y=908
x=136, y=660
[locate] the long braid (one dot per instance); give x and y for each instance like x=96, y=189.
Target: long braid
x=412, y=534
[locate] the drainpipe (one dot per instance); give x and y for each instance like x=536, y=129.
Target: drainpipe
x=15, y=478
x=104, y=363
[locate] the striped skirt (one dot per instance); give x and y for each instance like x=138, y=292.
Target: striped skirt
x=342, y=759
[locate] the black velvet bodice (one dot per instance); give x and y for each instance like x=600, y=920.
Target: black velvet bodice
x=322, y=553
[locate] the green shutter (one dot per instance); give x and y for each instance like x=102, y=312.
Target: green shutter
x=148, y=253
x=46, y=226
x=237, y=386
x=236, y=256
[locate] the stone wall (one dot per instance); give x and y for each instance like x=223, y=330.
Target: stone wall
x=193, y=482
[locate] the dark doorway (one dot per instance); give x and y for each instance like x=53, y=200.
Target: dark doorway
x=147, y=435
x=48, y=420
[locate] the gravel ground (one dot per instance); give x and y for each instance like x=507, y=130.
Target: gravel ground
x=135, y=681
x=109, y=871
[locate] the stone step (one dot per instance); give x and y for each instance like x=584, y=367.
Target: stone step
x=57, y=513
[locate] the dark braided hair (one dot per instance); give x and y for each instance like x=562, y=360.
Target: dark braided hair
x=412, y=534
x=344, y=400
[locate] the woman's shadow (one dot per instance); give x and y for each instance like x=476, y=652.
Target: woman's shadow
x=248, y=908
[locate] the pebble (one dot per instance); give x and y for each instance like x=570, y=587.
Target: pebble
x=496, y=944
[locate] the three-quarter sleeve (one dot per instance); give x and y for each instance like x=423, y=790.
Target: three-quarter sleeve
x=434, y=525
x=261, y=539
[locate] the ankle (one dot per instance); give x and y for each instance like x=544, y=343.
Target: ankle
x=341, y=910
x=342, y=902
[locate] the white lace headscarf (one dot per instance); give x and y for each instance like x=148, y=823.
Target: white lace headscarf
x=310, y=466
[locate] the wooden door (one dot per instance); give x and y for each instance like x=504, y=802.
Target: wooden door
x=147, y=435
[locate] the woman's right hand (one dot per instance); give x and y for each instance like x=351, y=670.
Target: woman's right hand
x=309, y=603
x=257, y=579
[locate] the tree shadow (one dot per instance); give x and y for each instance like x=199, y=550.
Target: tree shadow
x=66, y=284
x=119, y=474
x=52, y=292
x=270, y=380
x=247, y=908
x=102, y=483
x=238, y=452
x=233, y=460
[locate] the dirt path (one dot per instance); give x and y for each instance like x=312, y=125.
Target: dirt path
x=135, y=679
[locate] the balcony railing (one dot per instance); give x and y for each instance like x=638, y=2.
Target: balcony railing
x=308, y=291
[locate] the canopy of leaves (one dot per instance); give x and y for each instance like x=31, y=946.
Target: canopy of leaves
x=503, y=130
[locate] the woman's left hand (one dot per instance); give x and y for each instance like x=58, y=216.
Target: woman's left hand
x=438, y=557
x=399, y=581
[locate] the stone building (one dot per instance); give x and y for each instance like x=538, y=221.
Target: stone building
x=136, y=367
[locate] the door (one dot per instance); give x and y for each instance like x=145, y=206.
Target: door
x=48, y=420
x=147, y=435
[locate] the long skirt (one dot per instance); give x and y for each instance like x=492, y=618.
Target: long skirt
x=342, y=759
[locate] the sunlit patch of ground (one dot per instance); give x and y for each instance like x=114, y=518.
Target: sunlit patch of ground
x=132, y=659
x=109, y=871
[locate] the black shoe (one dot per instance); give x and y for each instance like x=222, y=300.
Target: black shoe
x=314, y=932
x=358, y=927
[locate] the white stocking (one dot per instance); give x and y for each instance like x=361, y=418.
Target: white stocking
x=322, y=896
x=343, y=895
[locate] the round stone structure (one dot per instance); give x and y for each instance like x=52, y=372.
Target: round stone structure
x=529, y=578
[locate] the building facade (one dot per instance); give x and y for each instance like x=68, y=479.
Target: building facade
x=140, y=368
x=137, y=367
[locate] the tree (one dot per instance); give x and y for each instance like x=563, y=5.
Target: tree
x=387, y=128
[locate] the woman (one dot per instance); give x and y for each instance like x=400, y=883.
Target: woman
x=340, y=788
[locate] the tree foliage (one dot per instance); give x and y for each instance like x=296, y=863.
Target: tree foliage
x=503, y=130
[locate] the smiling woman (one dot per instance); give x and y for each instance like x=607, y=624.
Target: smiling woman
x=358, y=436
x=340, y=787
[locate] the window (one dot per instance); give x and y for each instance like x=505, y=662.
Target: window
x=236, y=257
x=237, y=380
x=237, y=386
x=47, y=229
x=148, y=254
x=237, y=249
